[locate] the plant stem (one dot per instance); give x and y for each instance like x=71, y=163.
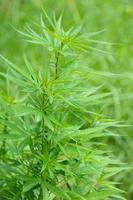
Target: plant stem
x=40, y=197
x=3, y=146
x=3, y=149
x=41, y=194
x=57, y=60
x=43, y=124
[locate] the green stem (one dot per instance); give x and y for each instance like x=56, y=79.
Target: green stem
x=57, y=60
x=43, y=123
x=43, y=143
x=3, y=146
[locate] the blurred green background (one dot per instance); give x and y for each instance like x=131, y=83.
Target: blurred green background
x=115, y=18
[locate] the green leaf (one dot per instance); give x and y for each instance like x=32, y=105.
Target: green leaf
x=75, y=195
x=15, y=68
x=22, y=110
x=22, y=145
x=11, y=136
x=30, y=184
x=57, y=191
x=48, y=122
x=45, y=192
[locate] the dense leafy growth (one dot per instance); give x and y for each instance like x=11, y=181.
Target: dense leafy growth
x=51, y=122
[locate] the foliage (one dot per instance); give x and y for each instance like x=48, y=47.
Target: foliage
x=52, y=123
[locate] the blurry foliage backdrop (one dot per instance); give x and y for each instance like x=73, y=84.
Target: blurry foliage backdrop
x=115, y=18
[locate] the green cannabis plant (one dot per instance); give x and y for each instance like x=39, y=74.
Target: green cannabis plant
x=52, y=122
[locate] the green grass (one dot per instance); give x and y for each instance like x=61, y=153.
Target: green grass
x=104, y=70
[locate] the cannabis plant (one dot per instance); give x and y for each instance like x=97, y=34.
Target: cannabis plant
x=51, y=122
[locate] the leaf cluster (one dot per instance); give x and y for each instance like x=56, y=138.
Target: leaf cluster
x=51, y=124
